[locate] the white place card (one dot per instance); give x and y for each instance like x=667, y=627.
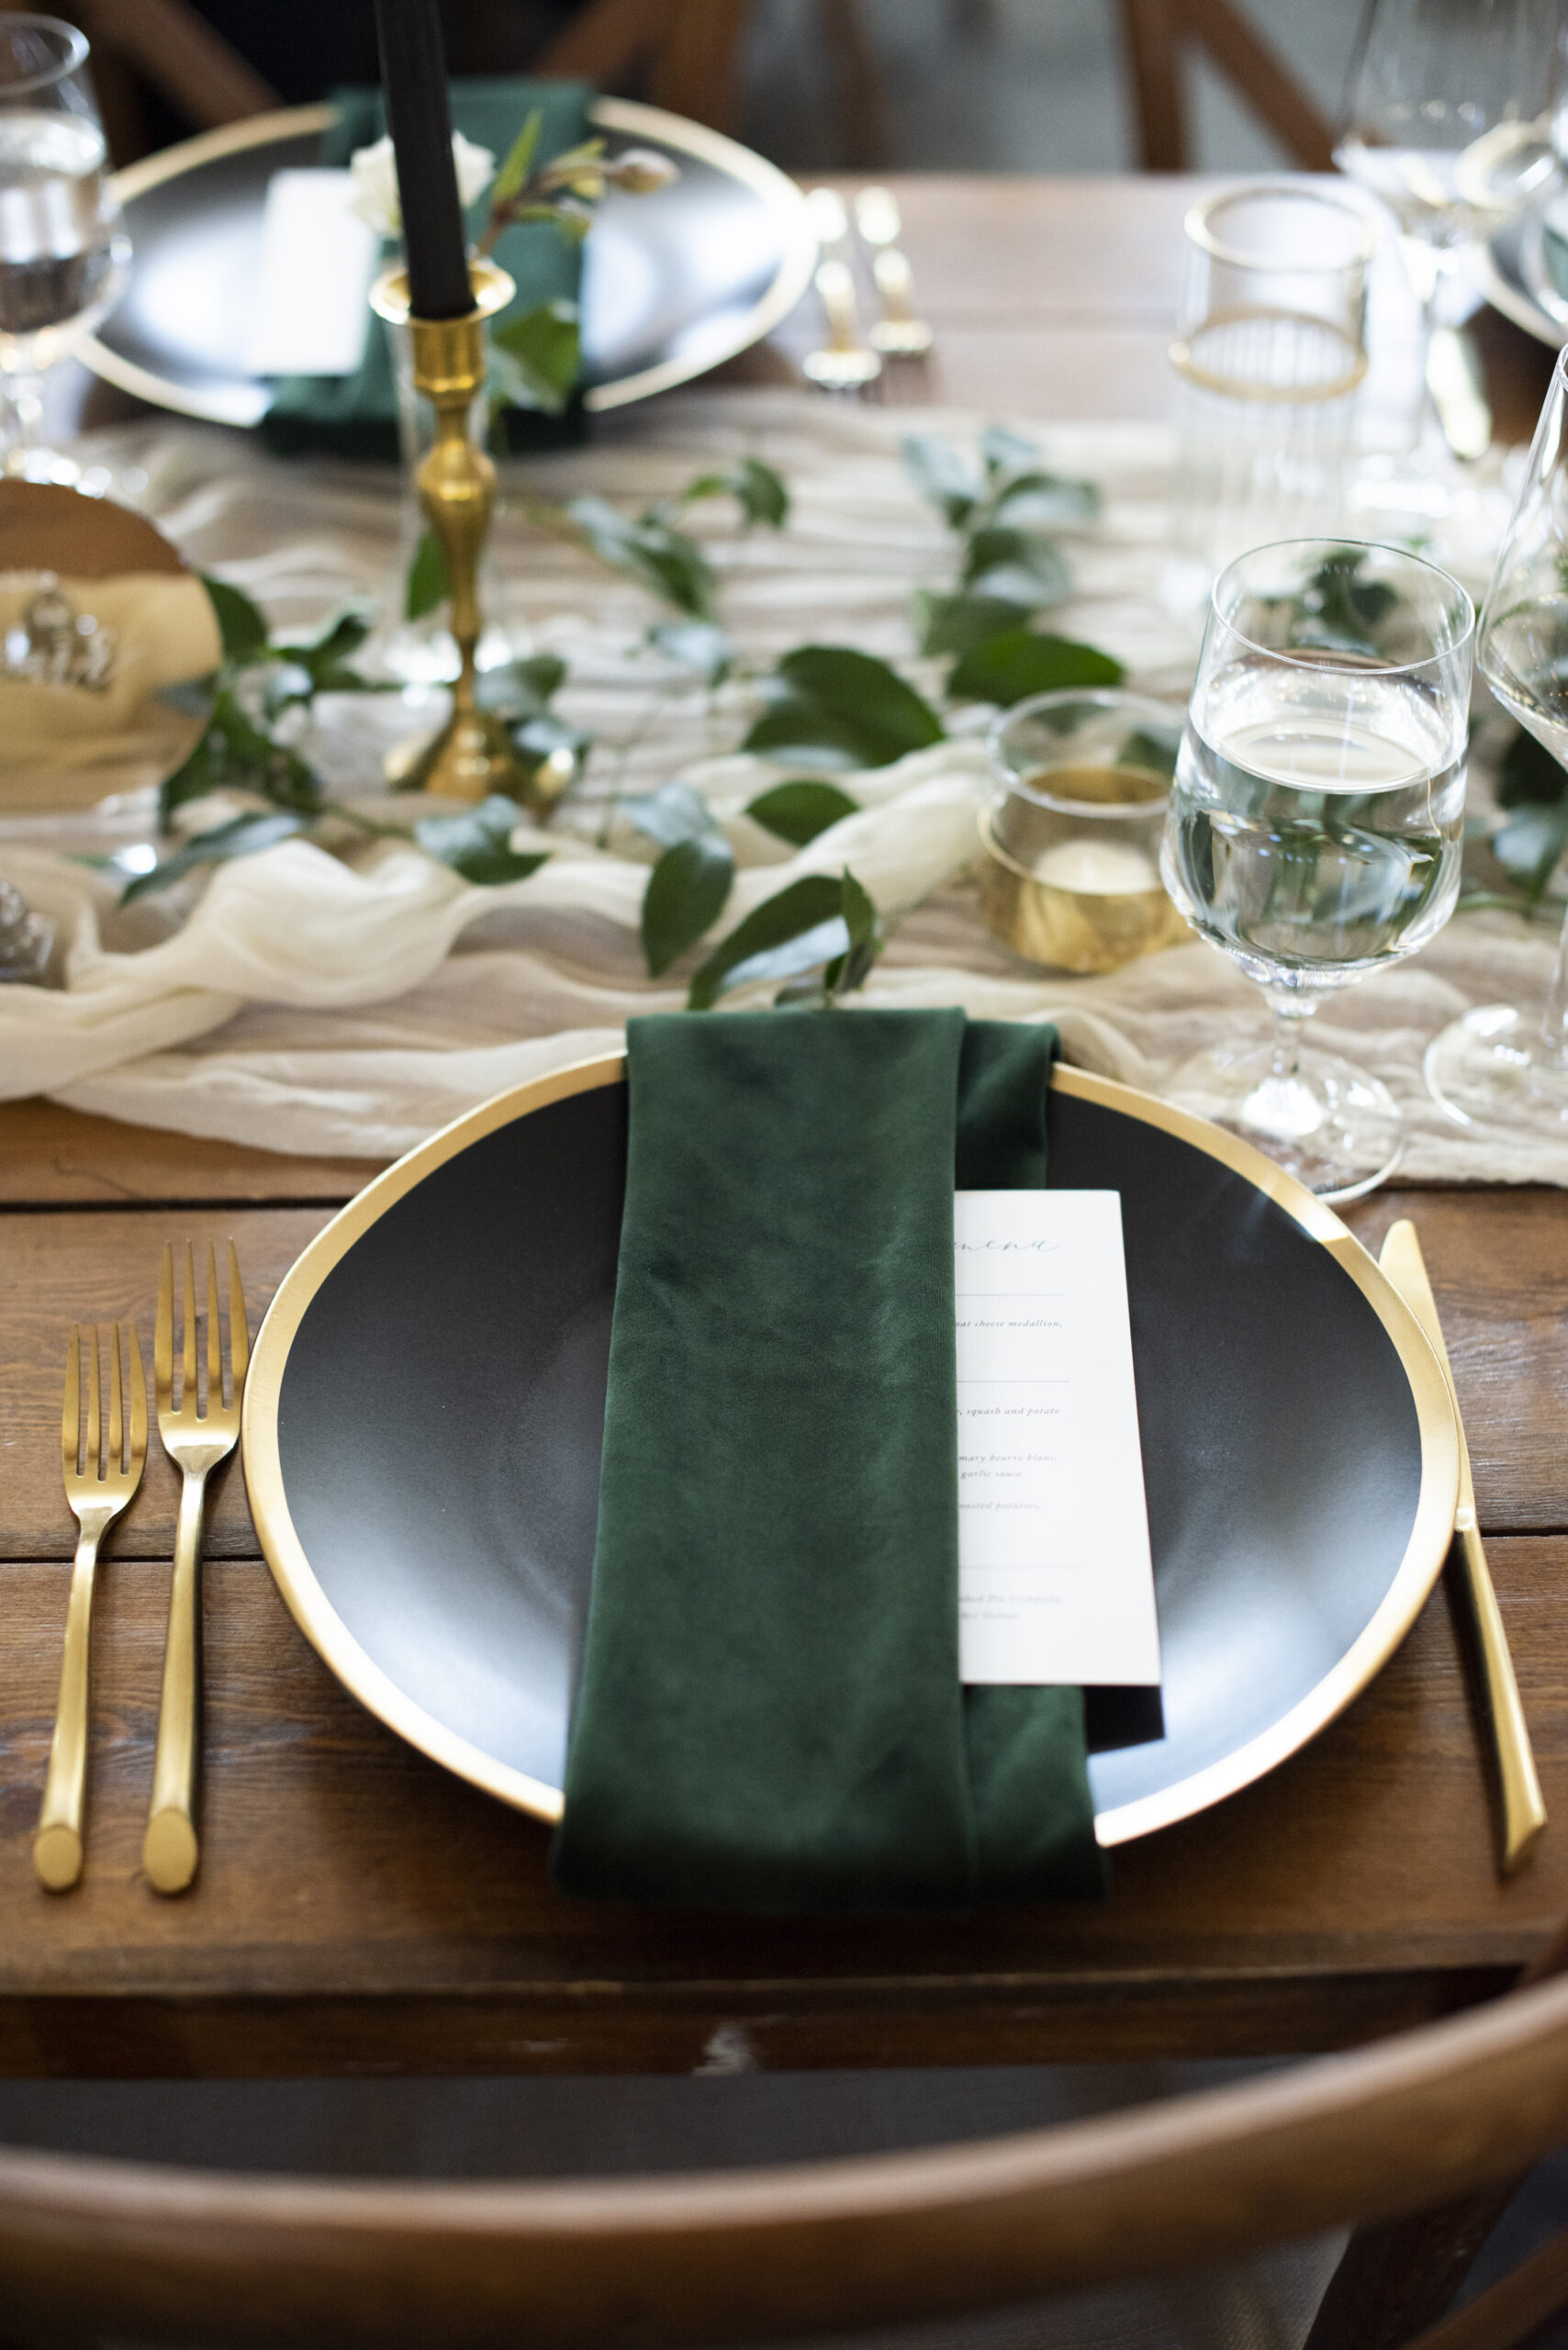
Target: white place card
x=1055, y=1584
x=318, y=258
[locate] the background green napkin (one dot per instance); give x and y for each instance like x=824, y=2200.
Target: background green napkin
x=356, y=416
x=770, y=1715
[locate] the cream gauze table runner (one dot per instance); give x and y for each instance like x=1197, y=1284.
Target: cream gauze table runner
x=303, y=1004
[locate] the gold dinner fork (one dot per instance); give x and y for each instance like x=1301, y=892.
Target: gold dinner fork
x=100, y=1479
x=195, y=1441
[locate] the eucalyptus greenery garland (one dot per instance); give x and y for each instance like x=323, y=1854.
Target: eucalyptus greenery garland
x=824, y=709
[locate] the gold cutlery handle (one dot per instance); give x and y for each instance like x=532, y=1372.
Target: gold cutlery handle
x=170, y=1849
x=57, y=1846
x=1524, y=1810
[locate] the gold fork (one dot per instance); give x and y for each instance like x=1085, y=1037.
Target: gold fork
x=96, y=1495
x=195, y=1441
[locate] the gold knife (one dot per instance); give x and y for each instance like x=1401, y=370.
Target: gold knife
x=1524, y=1813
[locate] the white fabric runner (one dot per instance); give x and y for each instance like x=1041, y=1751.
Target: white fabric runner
x=308, y=1004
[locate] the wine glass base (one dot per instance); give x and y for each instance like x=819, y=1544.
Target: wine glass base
x=1335, y=1128
x=1491, y=1070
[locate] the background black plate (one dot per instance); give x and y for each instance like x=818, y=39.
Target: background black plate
x=672, y=282
x=425, y=1413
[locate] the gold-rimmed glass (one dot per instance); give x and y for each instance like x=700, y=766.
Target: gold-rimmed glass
x=1269, y=351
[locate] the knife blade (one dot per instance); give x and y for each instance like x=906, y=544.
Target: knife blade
x=1523, y=1810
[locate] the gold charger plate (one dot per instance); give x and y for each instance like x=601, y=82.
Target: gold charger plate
x=423, y=1417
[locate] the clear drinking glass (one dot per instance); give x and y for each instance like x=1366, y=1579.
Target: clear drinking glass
x=1447, y=118
x=1500, y=1066
x=64, y=253
x=1070, y=873
x=1270, y=350
x=1316, y=825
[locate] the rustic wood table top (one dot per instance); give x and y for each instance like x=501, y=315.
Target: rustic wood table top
x=359, y=1910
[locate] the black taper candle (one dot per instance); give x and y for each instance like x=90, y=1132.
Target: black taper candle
x=413, y=75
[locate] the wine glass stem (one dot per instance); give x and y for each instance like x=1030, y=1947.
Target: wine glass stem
x=21, y=413
x=1291, y=1008
x=1554, y=1018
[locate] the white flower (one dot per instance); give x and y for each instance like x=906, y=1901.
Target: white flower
x=374, y=175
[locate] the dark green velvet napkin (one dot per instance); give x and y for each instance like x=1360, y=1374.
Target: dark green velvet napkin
x=770, y=1715
x=356, y=416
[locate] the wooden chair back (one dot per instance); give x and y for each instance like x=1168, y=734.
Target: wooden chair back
x=1157, y=33
x=815, y=2247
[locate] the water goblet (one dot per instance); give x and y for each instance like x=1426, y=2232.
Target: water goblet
x=64, y=253
x=1500, y=1066
x=1447, y=118
x=1316, y=825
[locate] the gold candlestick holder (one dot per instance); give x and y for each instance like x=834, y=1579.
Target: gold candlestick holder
x=471, y=755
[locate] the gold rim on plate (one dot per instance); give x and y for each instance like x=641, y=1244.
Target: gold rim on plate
x=1430, y=1534
x=622, y=115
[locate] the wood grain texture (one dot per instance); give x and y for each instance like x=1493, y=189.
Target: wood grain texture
x=53, y=1156
x=360, y=1909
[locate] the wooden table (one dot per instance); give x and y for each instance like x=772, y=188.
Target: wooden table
x=359, y=1911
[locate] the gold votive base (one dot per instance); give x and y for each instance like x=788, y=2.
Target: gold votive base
x=1072, y=930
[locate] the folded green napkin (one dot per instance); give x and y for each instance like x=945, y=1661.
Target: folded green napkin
x=356, y=416
x=770, y=1715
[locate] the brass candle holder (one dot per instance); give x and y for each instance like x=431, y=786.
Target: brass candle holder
x=471, y=755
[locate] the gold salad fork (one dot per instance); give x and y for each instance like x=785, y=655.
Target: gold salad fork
x=100, y=1479
x=195, y=1440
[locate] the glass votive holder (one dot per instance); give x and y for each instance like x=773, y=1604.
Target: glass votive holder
x=1070, y=873
x=1269, y=351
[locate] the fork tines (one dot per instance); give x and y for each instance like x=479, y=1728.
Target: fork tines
x=163, y=1342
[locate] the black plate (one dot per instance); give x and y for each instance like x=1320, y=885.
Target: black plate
x=672, y=282
x=424, y=1412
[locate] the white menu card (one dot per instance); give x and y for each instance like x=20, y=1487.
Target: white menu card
x=309, y=312
x=1055, y=1584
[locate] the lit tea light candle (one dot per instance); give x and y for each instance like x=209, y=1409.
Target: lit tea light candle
x=1093, y=868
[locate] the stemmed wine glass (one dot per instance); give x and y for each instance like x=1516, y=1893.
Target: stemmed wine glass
x=1447, y=118
x=1316, y=825
x=64, y=253
x=1498, y=1065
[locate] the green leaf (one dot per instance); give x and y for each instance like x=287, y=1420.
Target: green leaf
x=1155, y=752
x=325, y=656
x=670, y=565
x=1530, y=845
x=1006, y=669
x=696, y=645
x=535, y=357
x=849, y=971
x=477, y=844
x=954, y=623
x=522, y=689
x=519, y=157
x=942, y=477
x=803, y=925
x=1017, y=567
x=242, y=629
x=798, y=812
x=1037, y=502
x=1002, y=451
x=674, y=814
x=685, y=892
x=240, y=837
x=756, y=489
x=1528, y=776
x=833, y=708
x=427, y=585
